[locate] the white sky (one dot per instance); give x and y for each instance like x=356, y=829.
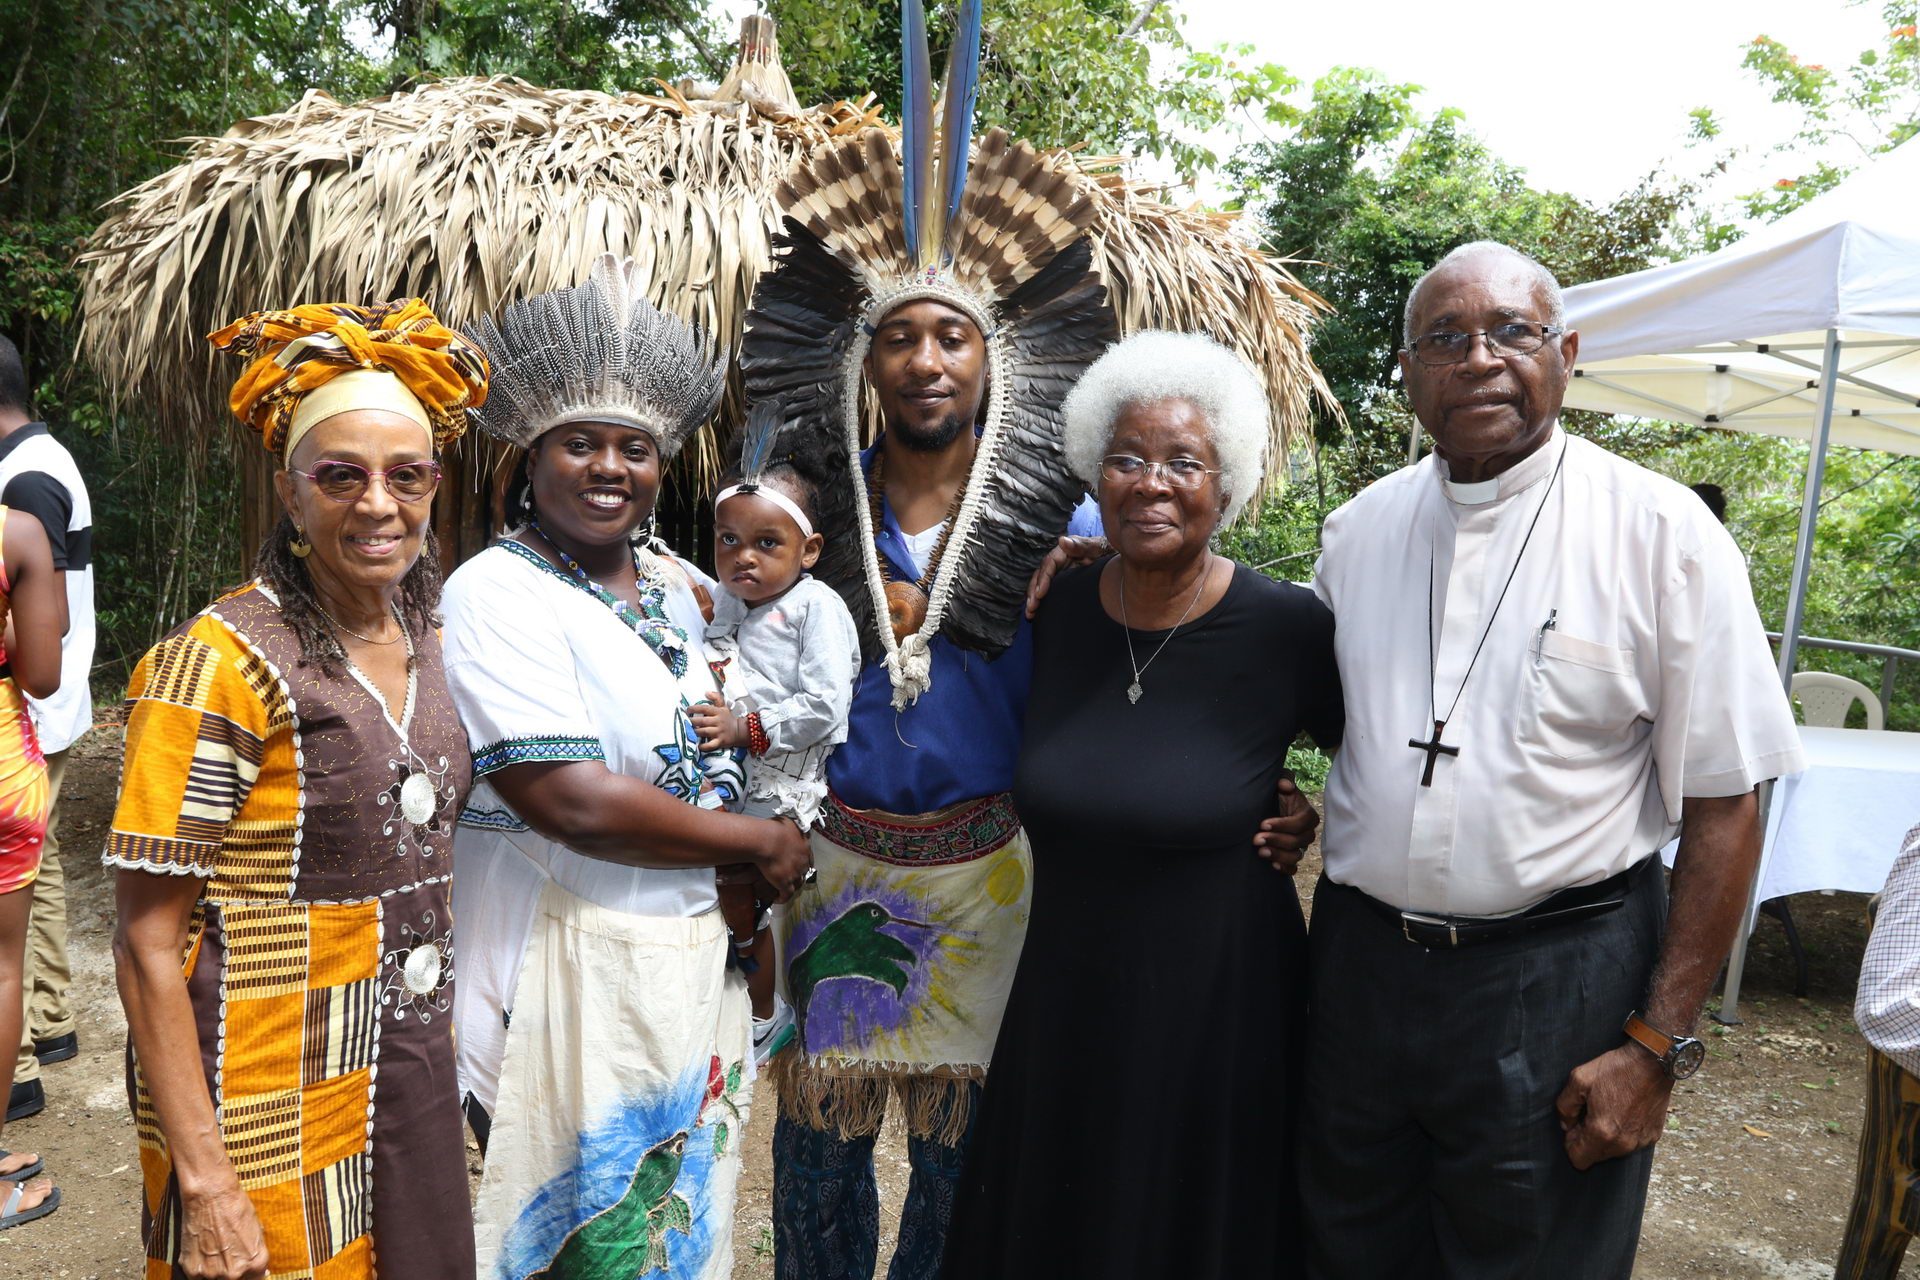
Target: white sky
x=1586, y=97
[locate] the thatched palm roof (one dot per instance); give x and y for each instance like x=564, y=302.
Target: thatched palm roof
x=475, y=192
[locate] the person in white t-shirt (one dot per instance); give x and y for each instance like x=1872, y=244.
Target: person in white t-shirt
x=1552, y=661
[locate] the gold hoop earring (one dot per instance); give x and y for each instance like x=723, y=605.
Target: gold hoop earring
x=299, y=545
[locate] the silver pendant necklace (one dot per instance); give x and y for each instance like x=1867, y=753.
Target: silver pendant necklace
x=418, y=797
x=1133, y=690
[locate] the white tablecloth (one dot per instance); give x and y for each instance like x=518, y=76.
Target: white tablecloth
x=1839, y=825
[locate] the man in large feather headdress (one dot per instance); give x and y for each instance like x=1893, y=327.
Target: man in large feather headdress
x=961, y=298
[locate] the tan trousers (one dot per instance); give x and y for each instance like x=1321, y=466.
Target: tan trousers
x=46, y=975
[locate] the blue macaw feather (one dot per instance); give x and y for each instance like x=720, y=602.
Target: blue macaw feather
x=916, y=124
x=757, y=438
x=961, y=90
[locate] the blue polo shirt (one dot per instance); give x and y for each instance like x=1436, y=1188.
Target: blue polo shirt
x=961, y=739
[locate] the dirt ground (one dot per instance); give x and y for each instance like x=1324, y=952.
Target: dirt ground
x=1752, y=1181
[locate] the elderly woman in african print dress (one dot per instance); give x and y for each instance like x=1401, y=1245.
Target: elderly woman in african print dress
x=1168, y=684
x=284, y=836
x=604, y=1043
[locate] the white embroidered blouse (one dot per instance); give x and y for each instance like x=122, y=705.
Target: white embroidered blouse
x=542, y=670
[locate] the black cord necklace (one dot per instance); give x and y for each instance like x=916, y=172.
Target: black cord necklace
x=1433, y=746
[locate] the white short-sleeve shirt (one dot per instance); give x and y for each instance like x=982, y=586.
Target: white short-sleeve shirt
x=541, y=670
x=1625, y=670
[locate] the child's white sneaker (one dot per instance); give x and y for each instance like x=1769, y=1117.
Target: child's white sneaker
x=774, y=1033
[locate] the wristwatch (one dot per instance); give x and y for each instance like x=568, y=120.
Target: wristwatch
x=1680, y=1056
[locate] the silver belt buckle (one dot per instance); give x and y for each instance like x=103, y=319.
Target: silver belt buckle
x=1410, y=918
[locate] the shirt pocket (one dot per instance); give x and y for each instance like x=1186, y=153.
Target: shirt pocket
x=1582, y=697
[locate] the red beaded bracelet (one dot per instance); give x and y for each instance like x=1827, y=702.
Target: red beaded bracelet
x=756, y=735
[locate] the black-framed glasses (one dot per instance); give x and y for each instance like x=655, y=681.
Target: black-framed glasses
x=1514, y=338
x=348, y=481
x=1175, y=473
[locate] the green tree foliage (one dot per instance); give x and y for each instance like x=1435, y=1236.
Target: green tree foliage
x=1367, y=193
x=611, y=45
x=1061, y=72
x=93, y=95
x=1846, y=115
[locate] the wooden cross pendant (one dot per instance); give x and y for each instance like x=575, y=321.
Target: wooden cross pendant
x=1434, y=749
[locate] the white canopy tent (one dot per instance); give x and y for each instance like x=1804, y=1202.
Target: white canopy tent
x=1808, y=328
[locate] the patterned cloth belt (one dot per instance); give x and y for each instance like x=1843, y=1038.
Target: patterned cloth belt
x=968, y=830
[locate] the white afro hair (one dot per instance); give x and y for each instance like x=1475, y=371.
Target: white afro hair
x=1154, y=365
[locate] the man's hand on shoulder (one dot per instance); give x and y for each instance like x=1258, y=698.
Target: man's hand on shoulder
x=1069, y=551
x=1614, y=1105
x=1282, y=840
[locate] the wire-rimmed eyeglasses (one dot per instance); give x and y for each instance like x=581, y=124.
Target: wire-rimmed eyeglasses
x=1514, y=338
x=1175, y=473
x=348, y=481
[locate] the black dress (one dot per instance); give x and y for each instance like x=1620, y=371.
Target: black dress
x=1137, y=1117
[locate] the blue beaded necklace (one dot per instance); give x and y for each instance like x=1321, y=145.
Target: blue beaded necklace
x=649, y=621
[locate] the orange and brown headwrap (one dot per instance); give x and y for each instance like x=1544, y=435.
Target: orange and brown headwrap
x=299, y=351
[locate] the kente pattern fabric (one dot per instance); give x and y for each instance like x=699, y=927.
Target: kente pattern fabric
x=294, y=352
x=319, y=959
x=613, y=1165
x=23, y=769
x=897, y=962
x=1162, y=956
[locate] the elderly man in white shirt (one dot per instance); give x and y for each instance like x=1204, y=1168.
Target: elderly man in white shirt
x=1552, y=660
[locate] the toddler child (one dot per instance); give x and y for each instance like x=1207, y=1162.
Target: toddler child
x=797, y=655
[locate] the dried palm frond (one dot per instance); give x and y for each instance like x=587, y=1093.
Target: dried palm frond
x=1190, y=270
x=476, y=192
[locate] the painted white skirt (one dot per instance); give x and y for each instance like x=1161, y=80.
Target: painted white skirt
x=615, y=1149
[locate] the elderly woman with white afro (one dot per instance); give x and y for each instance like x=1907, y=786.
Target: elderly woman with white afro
x=1155, y=366
x=1168, y=684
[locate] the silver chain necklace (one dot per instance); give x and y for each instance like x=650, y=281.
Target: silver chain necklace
x=1134, y=690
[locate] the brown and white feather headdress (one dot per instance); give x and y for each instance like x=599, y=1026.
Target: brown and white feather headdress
x=598, y=352
x=995, y=230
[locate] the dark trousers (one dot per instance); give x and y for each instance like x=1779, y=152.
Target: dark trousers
x=1430, y=1146
x=826, y=1204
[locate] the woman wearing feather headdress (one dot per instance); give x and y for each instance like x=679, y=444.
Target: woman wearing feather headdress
x=603, y=1039
x=960, y=293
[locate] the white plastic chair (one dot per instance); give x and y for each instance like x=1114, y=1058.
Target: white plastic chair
x=1827, y=699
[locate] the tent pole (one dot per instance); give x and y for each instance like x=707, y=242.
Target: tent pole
x=1809, y=513
x=1789, y=648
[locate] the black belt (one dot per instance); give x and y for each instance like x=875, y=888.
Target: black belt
x=1448, y=933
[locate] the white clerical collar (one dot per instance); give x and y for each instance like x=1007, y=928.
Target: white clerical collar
x=1523, y=474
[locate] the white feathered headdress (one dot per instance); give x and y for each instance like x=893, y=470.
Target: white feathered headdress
x=598, y=352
